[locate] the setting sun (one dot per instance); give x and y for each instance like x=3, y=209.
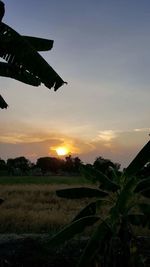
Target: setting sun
x=62, y=151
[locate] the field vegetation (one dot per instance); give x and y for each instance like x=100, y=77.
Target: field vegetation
x=31, y=205
x=42, y=180
x=61, y=206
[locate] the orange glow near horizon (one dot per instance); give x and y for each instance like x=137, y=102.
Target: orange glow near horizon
x=62, y=151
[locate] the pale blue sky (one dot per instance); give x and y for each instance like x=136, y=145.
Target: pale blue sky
x=102, y=49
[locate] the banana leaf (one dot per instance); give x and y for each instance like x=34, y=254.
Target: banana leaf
x=3, y=104
x=138, y=220
x=146, y=192
x=102, y=234
x=40, y=44
x=125, y=197
x=95, y=175
x=72, y=229
x=80, y=192
x=139, y=161
x=90, y=209
x=2, y=10
x=145, y=208
x=16, y=50
x=142, y=185
x=10, y=71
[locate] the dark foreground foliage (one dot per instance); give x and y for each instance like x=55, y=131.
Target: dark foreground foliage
x=113, y=242
x=26, y=251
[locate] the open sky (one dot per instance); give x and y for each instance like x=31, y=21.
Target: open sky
x=102, y=49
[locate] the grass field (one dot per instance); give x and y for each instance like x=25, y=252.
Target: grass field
x=68, y=180
x=31, y=204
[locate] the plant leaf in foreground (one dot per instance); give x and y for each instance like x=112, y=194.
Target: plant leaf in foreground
x=139, y=161
x=81, y=192
x=72, y=229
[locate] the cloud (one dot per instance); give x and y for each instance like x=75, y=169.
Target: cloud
x=119, y=146
x=106, y=135
x=36, y=144
x=142, y=130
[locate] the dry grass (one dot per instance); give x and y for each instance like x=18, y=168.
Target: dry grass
x=35, y=208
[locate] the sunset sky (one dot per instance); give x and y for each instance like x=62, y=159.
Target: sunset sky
x=102, y=49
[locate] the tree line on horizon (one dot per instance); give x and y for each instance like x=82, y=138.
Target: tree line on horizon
x=46, y=165
x=68, y=166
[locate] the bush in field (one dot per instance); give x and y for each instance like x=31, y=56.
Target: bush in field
x=113, y=242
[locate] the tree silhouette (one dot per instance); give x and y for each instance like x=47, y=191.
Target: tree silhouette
x=49, y=164
x=20, y=164
x=105, y=166
x=23, y=62
x=2, y=165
